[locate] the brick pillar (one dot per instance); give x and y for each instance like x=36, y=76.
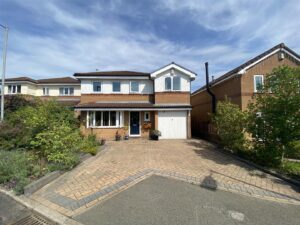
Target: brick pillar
x=156, y=120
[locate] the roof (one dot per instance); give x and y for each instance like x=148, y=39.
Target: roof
x=125, y=105
x=60, y=80
x=26, y=79
x=176, y=66
x=112, y=73
x=249, y=63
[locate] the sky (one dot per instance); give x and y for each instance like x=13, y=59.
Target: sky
x=54, y=38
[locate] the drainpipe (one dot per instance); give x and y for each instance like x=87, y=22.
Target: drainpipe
x=213, y=97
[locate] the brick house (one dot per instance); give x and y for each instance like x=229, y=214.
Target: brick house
x=132, y=103
x=239, y=85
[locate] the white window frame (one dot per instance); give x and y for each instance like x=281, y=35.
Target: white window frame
x=100, y=86
x=145, y=119
x=69, y=92
x=131, y=91
x=46, y=91
x=119, y=119
x=14, y=87
x=254, y=82
x=112, y=86
x=172, y=83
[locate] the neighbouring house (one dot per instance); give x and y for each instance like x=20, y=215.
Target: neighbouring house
x=132, y=103
x=239, y=85
x=65, y=90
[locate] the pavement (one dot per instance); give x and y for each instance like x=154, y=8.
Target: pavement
x=15, y=213
x=159, y=200
x=123, y=164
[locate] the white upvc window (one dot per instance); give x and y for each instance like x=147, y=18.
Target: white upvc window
x=258, y=82
x=173, y=83
x=45, y=91
x=134, y=87
x=66, y=91
x=116, y=86
x=14, y=89
x=146, y=116
x=104, y=119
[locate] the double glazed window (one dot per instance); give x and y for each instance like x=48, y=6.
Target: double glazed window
x=172, y=84
x=104, y=119
x=97, y=86
x=45, y=91
x=14, y=89
x=134, y=87
x=66, y=91
x=116, y=86
x=258, y=82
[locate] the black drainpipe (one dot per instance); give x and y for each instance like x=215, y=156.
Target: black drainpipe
x=213, y=97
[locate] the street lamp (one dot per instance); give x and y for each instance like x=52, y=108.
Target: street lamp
x=3, y=70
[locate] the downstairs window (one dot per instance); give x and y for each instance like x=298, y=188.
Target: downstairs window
x=104, y=119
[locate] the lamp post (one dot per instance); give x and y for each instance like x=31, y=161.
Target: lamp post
x=3, y=70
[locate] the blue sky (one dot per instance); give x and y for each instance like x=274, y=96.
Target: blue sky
x=59, y=37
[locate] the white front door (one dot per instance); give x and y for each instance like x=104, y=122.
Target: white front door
x=172, y=124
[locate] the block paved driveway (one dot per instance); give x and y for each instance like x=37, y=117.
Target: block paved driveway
x=122, y=164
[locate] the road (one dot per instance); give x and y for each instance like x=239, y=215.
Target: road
x=165, y=201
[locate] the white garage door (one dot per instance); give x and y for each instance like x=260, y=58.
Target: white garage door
x=172, y=124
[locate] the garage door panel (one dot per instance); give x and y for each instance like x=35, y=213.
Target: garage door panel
x=172, y=124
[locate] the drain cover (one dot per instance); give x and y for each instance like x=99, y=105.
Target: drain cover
x=33, y=220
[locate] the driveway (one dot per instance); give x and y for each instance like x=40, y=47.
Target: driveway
x=122, y=164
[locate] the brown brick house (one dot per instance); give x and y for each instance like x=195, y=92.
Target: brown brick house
x=132, y=103
x=239, y=85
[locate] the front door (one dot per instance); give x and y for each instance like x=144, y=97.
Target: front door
x=134, y=123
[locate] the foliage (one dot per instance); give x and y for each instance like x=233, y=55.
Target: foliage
x=14, y=102
x=230, y=123
x=58, y=144
x=14, y=169
x=12, y=137
x=291, y=168
x=90, y=145
x=275, y=116
x=155, y=133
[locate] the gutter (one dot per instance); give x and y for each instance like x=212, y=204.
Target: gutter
x=213, y=97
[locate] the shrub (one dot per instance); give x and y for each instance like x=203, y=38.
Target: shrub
x=15, y=167
x=90, y=145
x=230, y=122
x=59, y=144
x=275, y=116
x=14, y=102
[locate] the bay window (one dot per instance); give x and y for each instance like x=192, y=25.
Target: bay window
x=106, y=119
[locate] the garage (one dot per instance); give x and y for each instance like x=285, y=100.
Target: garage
x=172, y=124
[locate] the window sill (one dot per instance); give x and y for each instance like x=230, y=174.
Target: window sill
x=106, y=127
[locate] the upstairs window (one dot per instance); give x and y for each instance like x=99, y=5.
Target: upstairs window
x=66, y=91
x=134, y=87
x=97, y=86
x=172, y=84
x=168, y=84
x=116, y=86
x=14, y=89
x=176, y=83
x=45, y=91
x=258, y=83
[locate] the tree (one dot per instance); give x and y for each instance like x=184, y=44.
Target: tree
x=275, y=115
x=230, y=123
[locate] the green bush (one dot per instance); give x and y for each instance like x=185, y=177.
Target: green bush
x=274, y=116
x=59, y=144
x=90, y=145
x=15, y=168
x=230, y=122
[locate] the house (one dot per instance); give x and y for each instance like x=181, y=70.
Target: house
x=65, y=90
x=132, y=103
x=239, y=85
